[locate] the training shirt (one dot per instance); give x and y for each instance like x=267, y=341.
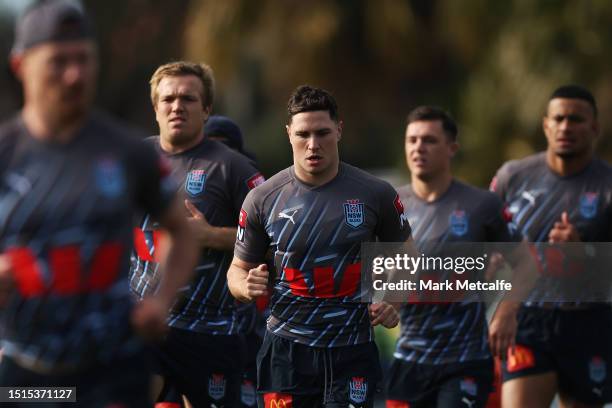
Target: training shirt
x=315, y=233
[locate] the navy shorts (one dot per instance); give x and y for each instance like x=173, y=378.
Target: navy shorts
x=414, y=385
x=575, y=344
x=299, y=376
x=206, y=369
x=119, y=383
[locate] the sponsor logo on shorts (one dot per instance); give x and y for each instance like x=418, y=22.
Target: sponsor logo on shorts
x=109, y=177
x=257, y=180
x=216, y=386
x=521, y=359
x=358, y=390
x=278, y=400
x=588, y=205
x=396, y=404
x=597, y=369
x=468, y=385
x=242, y=220
x=353, y=213
x=195, y=182
x=247, y=393
x=458, y=222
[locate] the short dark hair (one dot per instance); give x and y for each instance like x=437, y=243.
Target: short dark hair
x=575, y=92
x=433, y=113
x=306, y=98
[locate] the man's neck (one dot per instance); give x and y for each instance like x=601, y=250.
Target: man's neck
x=48, y=128
x=175, y=148
x=317, y=180
x=567, y=166
x=433, y=189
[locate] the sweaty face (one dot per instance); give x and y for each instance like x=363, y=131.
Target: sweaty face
x=314, y=139
x=60, y=77
x=570, y=127
x=428, y=149
x=178, y=110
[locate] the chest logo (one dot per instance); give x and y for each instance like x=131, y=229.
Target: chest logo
x=458, y=222
x=288, y=214
x=588, y=205
x=353, y=213
x=109, y=178
x=195, y=182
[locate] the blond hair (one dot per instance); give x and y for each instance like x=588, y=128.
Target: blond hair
x=182, y=68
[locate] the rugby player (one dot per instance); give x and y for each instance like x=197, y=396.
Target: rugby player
x=561, y=195
x=203, y=355
x=70, y=182
x=318, y=349
x=443, y=355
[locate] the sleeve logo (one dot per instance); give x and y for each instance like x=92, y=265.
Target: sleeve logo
x=242, y=220
x=399, y=207
x=256, y=180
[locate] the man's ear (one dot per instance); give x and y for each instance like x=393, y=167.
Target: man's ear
x=340, y=125
x=16, y=63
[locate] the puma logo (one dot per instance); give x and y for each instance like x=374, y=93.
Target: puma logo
x=468, y=402
x=284, y=214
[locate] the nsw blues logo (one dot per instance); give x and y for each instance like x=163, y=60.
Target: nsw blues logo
x=597, y=369
x=588, y=205
x=216, y=386
x=109, y=177
x=469, y=386
x=195, y=182
x=353, y=213
x=247, y=393
x=458, y=223
x=358, y=389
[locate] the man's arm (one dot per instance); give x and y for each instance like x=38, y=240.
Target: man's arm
x=149, y=315
x=247, y=281
x=209, y=236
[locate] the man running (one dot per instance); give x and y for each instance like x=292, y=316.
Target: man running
x=70, y=183
x=561, y=195
x=203, y=354
x=318, y=349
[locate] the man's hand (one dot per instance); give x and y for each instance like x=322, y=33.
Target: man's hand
x=149, y=318
x=383, y=313
x=257, y=282
x=563, y=231
x=207, y=235
x=198, y=222
x=502, y=330
x=7, y=282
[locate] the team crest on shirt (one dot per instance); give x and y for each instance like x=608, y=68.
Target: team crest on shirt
x=195, y=182
x=597, y=369
x=247, y=393
x=109, y=177
x=353, y=213
x=216, y=386
x=458, y=222
x=588, y=205
x=469, y=386
x=358, y=390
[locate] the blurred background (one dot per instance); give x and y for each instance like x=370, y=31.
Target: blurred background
x=492, y=64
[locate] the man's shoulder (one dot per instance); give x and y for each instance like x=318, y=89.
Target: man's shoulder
x=366, y=180
x=525, y=165
x=113, y=130
x=474, y=193
x=273, y=184
x=9, y=132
